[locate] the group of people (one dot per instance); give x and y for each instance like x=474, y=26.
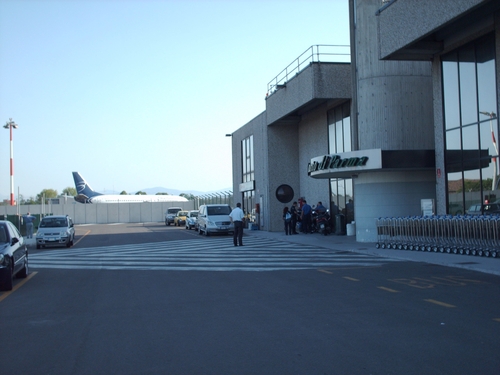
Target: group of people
x=303, y=214
x=290, y=217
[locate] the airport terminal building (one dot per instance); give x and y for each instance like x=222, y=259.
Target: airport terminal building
x=409, y=123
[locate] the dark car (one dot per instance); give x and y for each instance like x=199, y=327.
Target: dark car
x=484, y=209
x=13, y=255
x=170, y=214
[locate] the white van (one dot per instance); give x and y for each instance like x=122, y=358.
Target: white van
x=214, y=218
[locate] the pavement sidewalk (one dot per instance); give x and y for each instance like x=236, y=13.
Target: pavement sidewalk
x=349, y=243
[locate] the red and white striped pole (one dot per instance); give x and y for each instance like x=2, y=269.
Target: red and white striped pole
x=9, y=125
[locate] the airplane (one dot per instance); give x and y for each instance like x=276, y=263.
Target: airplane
x=85, y=194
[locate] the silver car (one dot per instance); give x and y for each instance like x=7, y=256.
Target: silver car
x=214, y=218
x=191, y=219
x=55, y=231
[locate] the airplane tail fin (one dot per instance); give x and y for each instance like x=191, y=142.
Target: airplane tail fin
x=83, y=190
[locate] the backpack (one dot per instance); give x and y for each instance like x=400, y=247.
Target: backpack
x=288, y=217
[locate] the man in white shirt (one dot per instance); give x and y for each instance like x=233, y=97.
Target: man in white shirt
x=237, y=217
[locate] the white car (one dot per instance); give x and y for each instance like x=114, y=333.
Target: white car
x=214, y=218
x=57, y=230
x=191, y=219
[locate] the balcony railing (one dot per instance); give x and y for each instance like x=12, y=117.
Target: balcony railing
x=316, y=53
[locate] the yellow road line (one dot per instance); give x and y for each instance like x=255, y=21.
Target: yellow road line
x=325, y=271
x=439, y=303
x=388, y=289
x=350, y=278
x=81, y=238
x=20, y=284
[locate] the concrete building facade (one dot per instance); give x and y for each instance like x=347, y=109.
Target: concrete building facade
x=409, y=120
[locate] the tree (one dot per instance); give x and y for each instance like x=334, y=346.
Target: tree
x=161, y=193
x=140, y=193
x=123, y=193
x=30, y=200
x=69, y=191
x=46, y=193
x=475, y=185
x=189, y=197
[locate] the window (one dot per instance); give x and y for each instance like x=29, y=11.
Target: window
x=339, y=141
x=471, y=126
x=339, y=129
x=248, y=174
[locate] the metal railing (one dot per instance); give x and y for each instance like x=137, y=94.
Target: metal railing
x=315, y=53
x=220, y=197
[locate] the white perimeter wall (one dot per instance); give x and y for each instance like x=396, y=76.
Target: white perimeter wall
x=103, y=213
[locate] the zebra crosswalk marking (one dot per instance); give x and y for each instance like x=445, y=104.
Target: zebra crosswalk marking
x=203, y=255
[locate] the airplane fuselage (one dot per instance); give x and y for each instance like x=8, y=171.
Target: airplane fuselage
x=85, y=194
x=135, y=198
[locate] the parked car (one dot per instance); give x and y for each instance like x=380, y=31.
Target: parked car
x=57, y=230
x=13, y=255
x=214, y=218
x=191, y=219
x=180, y=218
x=170, y=214
x=487, y=209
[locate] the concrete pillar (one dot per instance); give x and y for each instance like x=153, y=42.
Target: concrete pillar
x=392, y=111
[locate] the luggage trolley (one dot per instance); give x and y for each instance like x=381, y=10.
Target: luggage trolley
x=383, y=224
x=459, y=229
x=422, y=233
x=495, y=237
x=431, y=234
x=490, y=242
x=407, y=232
x=398, y=233
x=443, y=233
x=490, y=234
x=413, y=223
x=482, y=235
x=461, y=234
x=393, y=234
x=437, y=232
x=470, y=235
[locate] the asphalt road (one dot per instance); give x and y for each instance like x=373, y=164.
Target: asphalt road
x=197, y=305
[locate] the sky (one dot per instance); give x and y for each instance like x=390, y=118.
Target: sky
x=136, y=94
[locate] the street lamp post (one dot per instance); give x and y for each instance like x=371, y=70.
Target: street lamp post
x=9, y=125
x=492, y=115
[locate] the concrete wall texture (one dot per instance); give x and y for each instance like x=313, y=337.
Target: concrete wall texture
x=394, y=112
x=417, y=19
x=290, y=148
x=318, y=81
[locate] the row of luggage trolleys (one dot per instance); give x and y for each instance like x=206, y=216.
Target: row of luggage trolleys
x=461, y=234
